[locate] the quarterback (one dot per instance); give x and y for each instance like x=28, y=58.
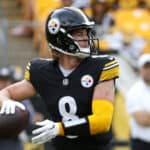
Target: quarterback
x=77, y=86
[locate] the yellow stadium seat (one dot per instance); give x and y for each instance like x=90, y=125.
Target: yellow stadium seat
x=88, y=11
x=143, y=25
x=103, y=45
x=42, y=6
x=146, y=48
x=124, y=20
x=128, y=3
x=134, y=21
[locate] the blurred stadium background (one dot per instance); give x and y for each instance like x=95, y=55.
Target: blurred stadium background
x=126, y=40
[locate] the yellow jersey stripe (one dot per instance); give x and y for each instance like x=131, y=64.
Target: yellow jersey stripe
x=111, y=66
x=27, y=75
x=110, y=73
x=110, y=63
x=27, y=67
x=29, y=64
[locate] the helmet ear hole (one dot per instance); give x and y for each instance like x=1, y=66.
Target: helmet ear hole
x=72, y=47
x=59, y=41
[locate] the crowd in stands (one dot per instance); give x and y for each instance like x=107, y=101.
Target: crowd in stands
x=120, y=24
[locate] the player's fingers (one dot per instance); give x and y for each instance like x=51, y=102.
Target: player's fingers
x=2, y=111
x=44, y=140
x=39, y=130
x=42, y=123
x=20, y=105
x=39, y=139
x=8, y=108
x=12, y=110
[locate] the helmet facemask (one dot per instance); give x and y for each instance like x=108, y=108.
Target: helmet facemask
x=71, y=47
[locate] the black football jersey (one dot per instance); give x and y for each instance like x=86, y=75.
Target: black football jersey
x=70, y=97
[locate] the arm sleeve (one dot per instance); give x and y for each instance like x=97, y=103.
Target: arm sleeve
x=32, y=73
x=27, y=72
x=98, y=122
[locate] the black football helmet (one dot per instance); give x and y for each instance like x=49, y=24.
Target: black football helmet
x=59, y=25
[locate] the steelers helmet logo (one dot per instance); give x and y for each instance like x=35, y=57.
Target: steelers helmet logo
x=87, y=81
x=53, y=26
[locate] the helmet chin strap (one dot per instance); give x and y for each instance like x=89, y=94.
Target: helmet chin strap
x=84, y=52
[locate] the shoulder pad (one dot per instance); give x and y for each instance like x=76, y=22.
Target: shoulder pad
x=110, y=69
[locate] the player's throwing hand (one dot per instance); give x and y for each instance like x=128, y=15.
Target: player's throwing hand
x=47, y=131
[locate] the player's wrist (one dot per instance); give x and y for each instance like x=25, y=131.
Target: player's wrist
x=77, y=127
x=60, y=129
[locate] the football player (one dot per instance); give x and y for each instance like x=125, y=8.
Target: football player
x=76, y=85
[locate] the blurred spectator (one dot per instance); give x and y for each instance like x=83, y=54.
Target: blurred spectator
x=127, y=42
x=76, y=3
x=81, y=4
x=104, y=22
x=25, y=30
x=66, y=3
x=100, y=15
x=142, y=3
x=6, y=78
x=138, y=106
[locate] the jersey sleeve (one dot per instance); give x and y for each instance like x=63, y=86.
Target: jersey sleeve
x=110, y=70
x=32, y=71
x=27, y=72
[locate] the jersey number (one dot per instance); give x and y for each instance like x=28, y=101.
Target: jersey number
x=68, y=108
x=69, y=113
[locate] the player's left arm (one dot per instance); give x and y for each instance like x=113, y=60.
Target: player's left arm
x=102, y=107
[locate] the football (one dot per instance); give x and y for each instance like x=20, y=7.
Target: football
x=11, y=125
